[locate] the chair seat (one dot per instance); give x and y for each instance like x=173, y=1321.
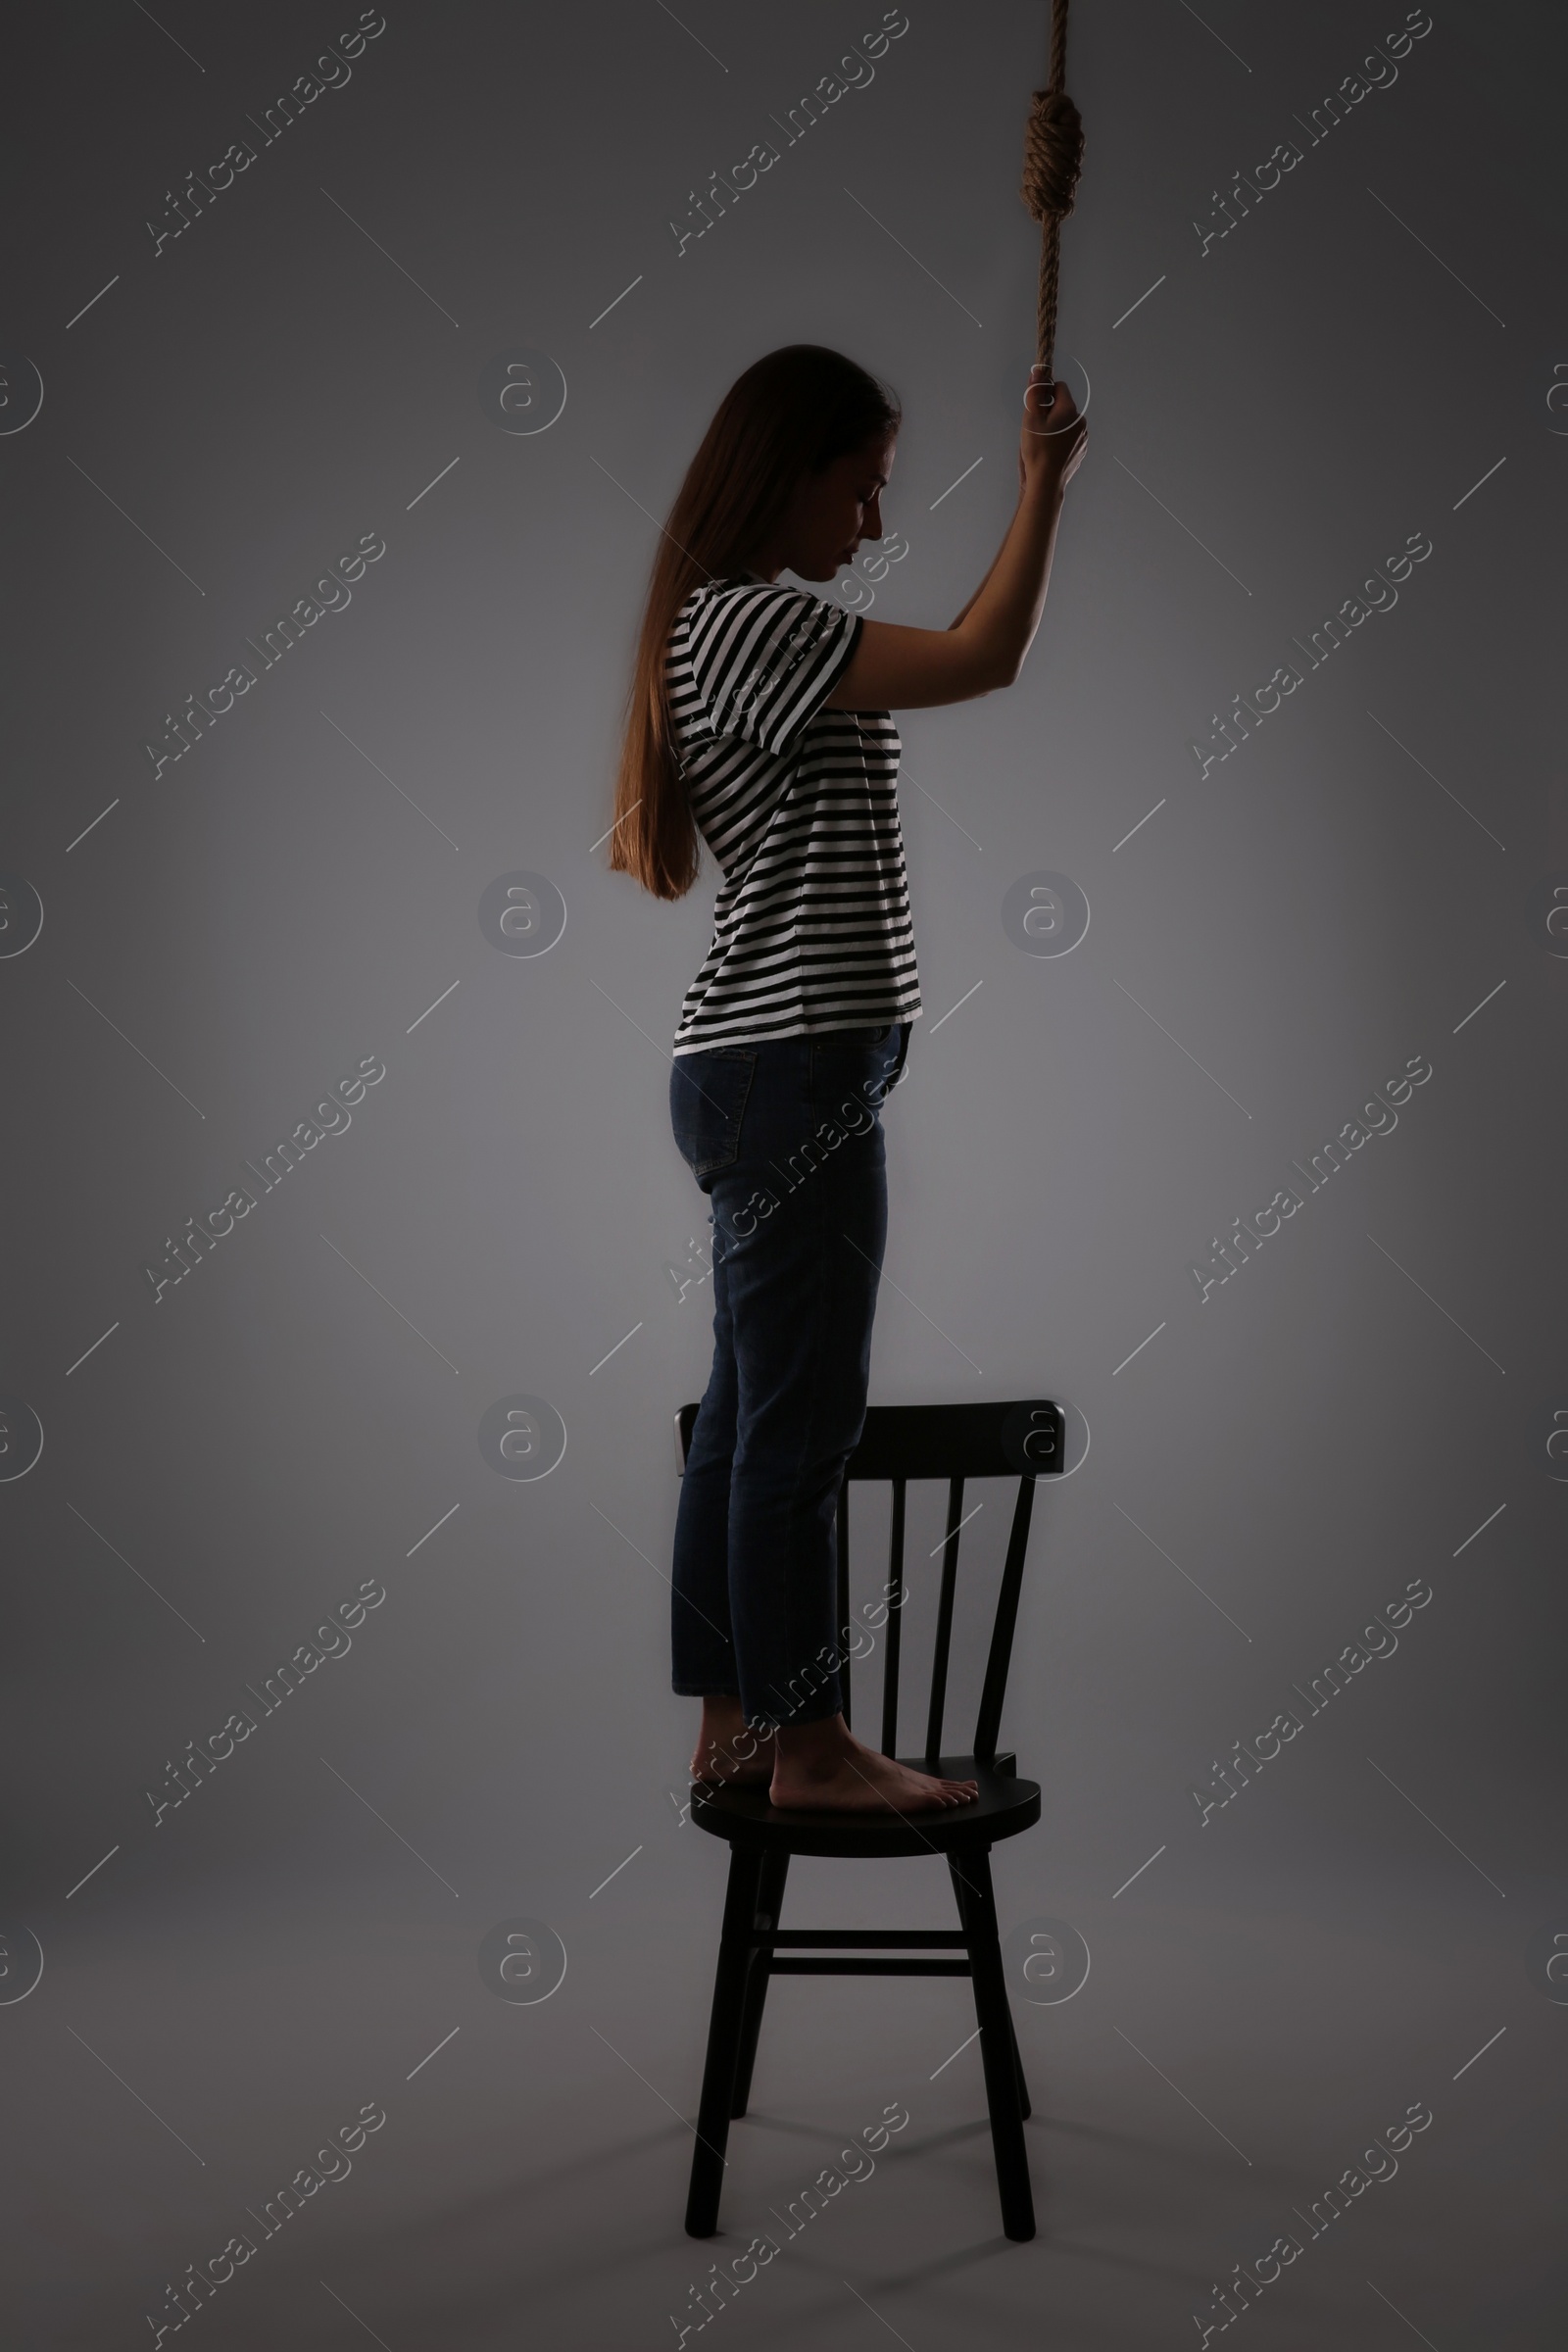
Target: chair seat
x=1004, y=1807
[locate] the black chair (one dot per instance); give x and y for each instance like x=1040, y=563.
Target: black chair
x=898, y=1443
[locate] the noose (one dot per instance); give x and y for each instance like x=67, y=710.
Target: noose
x=1052, y=157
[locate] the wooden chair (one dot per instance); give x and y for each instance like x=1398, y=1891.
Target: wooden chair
x=959, y=1442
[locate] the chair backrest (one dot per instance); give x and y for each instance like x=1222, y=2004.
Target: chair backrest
x=1019, y=1439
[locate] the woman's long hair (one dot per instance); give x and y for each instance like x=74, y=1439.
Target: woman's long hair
x=790, y=415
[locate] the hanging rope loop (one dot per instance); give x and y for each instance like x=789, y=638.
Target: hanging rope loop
x=1052, y=157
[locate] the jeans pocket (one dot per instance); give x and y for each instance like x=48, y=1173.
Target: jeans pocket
x=708, y=1096
x=852, y=1041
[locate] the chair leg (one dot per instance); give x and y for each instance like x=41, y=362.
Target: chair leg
x=999, y=2049
x=770, y=1903
x=723, y=2041
x=1025, y=2104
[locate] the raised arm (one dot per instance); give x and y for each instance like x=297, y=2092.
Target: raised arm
x=895, y=669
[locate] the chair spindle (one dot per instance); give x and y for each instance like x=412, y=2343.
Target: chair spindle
x=987, y=1722
x=939, y=1660
x=894, y=1622
x=844, y=1598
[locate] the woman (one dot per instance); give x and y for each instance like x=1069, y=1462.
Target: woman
x=760, y=717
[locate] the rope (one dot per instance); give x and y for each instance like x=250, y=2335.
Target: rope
x=1052, y=157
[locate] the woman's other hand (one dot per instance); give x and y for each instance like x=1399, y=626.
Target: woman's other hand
x=1054, y=438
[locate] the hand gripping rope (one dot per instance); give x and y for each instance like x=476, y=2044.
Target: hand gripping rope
x=1052, y=157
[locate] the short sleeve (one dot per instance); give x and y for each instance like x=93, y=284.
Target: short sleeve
x=760, y=659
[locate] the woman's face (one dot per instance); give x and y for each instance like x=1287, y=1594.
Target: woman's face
x=834, y=511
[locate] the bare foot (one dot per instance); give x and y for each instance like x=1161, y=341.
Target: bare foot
x=728, y=1750
x=823, y=1767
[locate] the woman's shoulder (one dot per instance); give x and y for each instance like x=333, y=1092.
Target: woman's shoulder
x=742, y=593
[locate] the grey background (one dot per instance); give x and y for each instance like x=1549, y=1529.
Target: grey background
x=231, y=1464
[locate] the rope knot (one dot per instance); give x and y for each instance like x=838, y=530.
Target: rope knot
x=1053, y=156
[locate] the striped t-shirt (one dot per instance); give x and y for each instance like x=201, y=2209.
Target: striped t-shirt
x=799, y=805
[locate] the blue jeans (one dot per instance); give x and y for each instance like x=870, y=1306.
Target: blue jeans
x=785, y=1137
